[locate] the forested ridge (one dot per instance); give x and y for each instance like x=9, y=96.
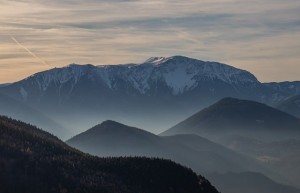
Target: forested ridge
x=35, y=161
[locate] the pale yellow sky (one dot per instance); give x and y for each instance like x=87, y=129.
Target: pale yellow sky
x=260, y=36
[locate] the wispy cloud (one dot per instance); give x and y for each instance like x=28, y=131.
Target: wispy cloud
x=251, y=34
x=30, y=52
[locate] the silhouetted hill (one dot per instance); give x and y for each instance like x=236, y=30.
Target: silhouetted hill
x=291, y=106
x=232, y=116
x=34, y=161
x=114, y=139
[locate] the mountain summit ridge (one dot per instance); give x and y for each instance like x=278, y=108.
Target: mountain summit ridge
x=177, y=73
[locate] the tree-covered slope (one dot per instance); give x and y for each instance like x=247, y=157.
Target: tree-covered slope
x=34, y=161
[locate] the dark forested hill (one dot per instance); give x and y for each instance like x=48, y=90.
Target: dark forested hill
x=34, y=161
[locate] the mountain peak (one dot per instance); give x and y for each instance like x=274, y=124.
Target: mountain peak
x=156, y=60
x=160, y=60
x=111, y=123
x=113, y=127
x=113, y=132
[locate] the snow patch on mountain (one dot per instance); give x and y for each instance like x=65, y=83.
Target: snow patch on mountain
x=180, y=80
x=140, y=76
x=59, y=76
x=103, y=73
x=156, y=60
x=227, y=73
x=24, y=93
x=297, y=102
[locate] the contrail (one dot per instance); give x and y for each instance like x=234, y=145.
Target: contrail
x=30, y=52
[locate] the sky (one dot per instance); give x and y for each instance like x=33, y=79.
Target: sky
x=261, y=36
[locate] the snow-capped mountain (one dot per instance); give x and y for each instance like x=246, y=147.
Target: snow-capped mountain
x=176, y=74
x=160, y=89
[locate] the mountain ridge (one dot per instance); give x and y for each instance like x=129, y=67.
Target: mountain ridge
x=35, y=161
x=191, y=150
x=211, y=70
x=107, y=140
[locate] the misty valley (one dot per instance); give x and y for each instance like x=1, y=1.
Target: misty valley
x=166, y=125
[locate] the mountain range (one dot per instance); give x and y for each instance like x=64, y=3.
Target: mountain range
x=236, y=130
x=35, y=161
x=112, y=139
x=153, y=95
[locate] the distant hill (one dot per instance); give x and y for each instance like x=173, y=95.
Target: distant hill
x=19, y=110
x=114, y=139
x=291, y=105
x=248, y=182
x=111, y=138
x=282, y=156
x=232, y=116
x=34, y=161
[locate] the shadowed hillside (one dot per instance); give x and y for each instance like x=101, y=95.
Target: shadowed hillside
x=248, y=182
x=232, y=116
x=35, y=161
x=111, y=138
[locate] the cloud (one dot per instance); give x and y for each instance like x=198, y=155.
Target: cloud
x=29, y=51
x=251, y=34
